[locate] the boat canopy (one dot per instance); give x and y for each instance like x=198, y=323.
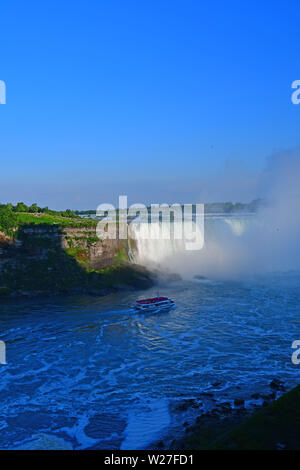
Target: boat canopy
x=152, y=301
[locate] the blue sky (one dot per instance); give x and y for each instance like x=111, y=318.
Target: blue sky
x=165, y=101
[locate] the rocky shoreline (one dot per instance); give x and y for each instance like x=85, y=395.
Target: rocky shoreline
x=122, y=277
x=220, y=419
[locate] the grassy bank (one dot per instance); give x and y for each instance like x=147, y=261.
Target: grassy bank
x=45, y=219
x=12, y=218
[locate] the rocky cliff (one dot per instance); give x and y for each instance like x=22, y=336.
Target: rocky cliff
x=41, y=258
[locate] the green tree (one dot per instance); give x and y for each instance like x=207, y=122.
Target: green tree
x=68, y=213
x=34, y=208
x=21, y=207
x=8, y=220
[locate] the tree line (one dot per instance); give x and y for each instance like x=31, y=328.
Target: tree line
x=35, y=209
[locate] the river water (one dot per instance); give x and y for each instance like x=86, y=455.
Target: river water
x=90, y=372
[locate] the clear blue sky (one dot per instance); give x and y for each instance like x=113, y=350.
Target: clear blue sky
x=152, y=98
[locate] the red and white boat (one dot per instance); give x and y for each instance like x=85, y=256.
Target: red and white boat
x=156, y=303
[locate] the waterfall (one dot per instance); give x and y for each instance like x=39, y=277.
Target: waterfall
x=158, y=242
x=151, y=246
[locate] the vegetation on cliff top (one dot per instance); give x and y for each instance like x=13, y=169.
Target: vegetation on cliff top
x=14, y=217
x=35, y=209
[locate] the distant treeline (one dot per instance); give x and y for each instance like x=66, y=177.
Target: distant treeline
x=230, y=207
x=212, y=207
x=88, y=212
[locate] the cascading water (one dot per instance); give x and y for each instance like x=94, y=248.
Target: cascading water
x=158, y=242
x=238, y=226
x=221, y=235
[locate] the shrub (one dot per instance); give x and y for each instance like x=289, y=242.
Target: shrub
x=8, y=220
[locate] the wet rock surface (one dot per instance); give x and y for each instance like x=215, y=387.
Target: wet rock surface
x=277, y=384
x=230, y=413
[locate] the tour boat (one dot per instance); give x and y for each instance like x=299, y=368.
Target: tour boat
x=156, y=303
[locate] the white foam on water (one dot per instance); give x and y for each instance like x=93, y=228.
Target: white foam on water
x=77, y=432
x=44, y=441
x=146, y=423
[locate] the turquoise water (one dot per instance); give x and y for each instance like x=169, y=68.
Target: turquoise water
x=90, y=372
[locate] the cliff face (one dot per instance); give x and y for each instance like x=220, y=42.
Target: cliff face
x=82, y=243
x=61, y=259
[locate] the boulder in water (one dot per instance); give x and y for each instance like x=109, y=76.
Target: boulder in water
x=199, y=277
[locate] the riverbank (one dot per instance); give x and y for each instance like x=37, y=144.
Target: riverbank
x=269, y=426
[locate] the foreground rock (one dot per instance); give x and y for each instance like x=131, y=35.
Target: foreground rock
x=274, y=427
